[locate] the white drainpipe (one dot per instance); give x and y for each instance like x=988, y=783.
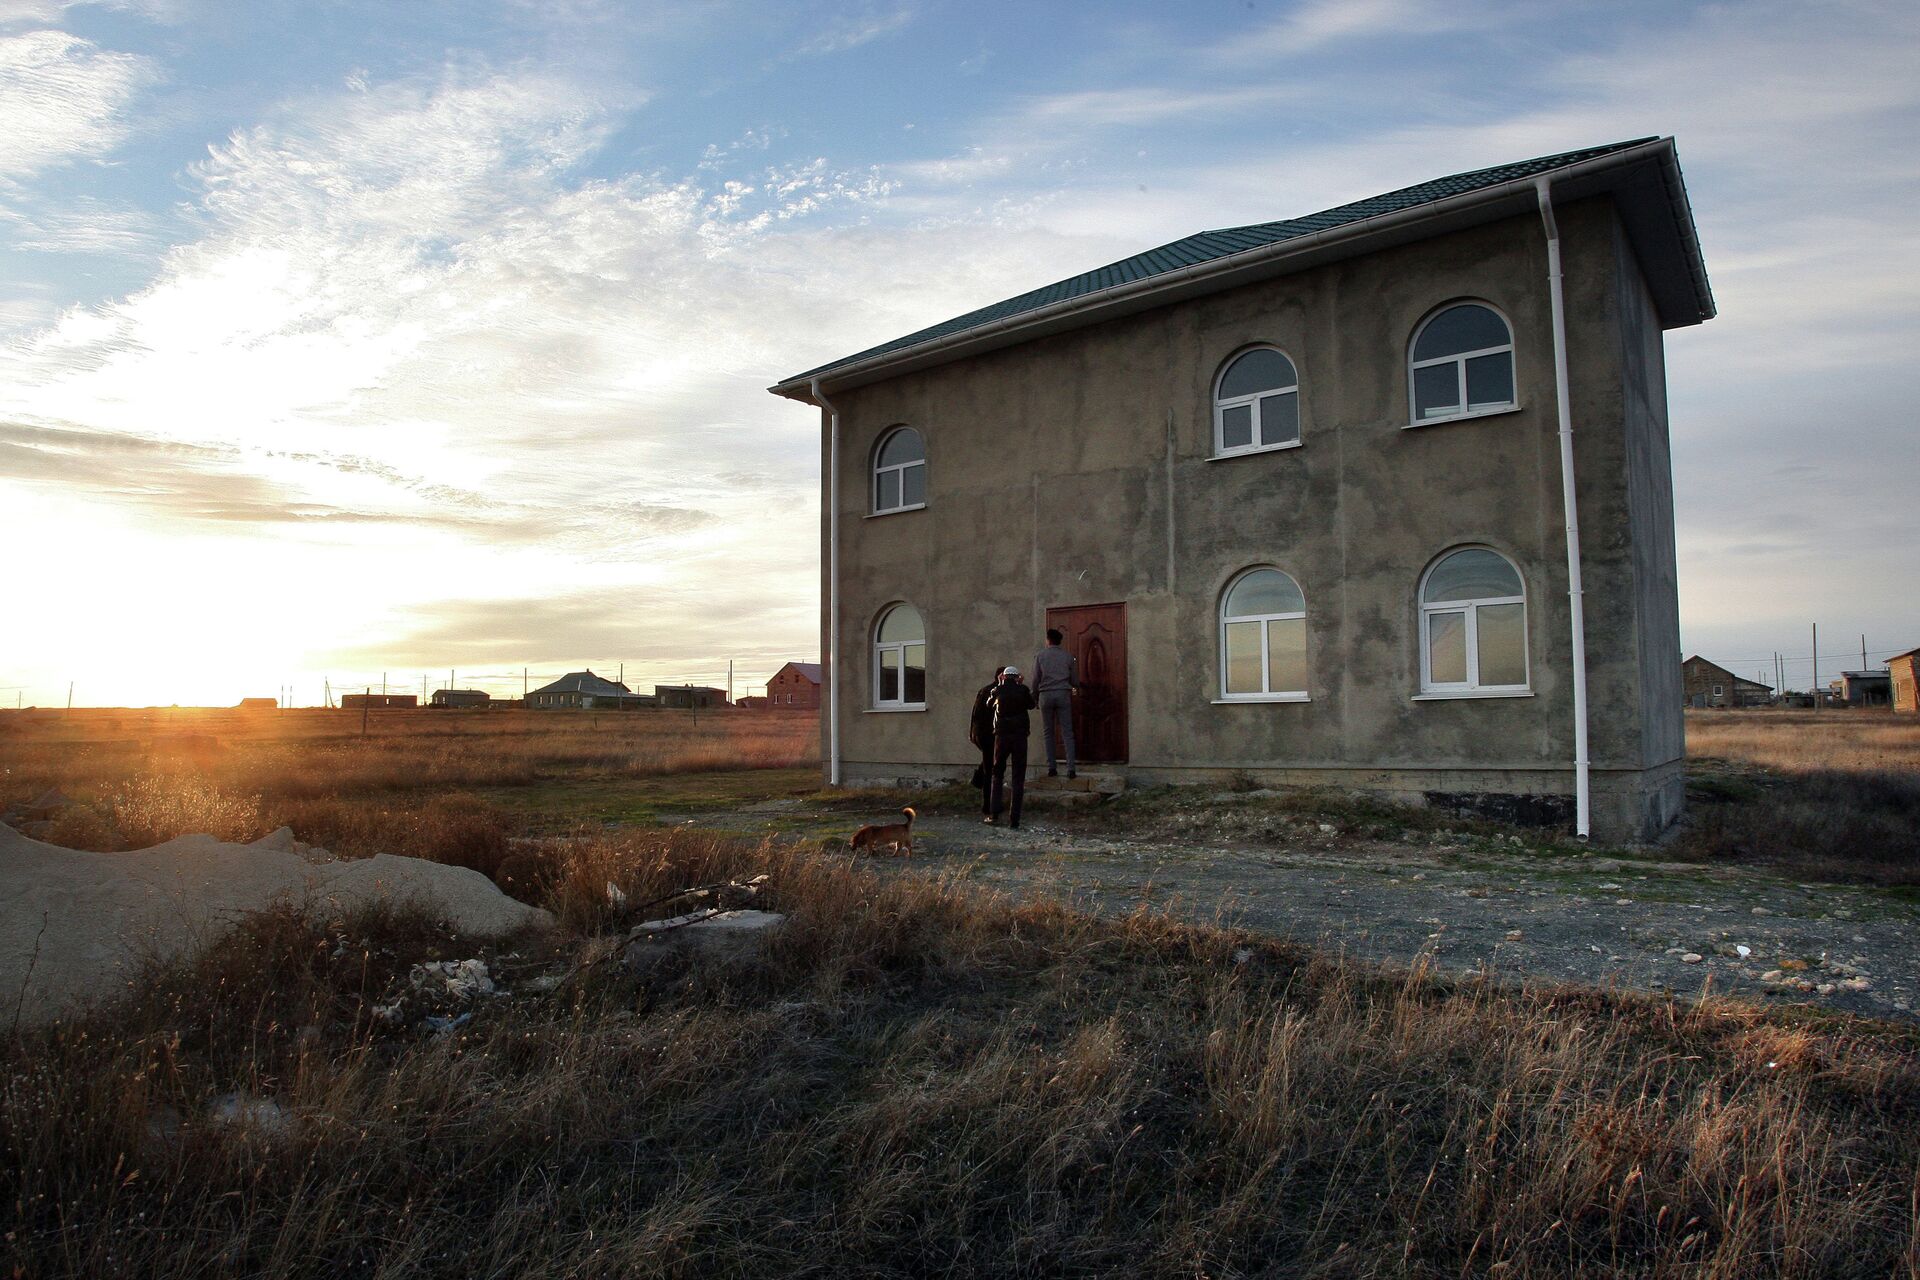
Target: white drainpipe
x=1576, y=606
x=832, y=656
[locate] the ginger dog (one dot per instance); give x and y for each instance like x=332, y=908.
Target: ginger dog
x=895, y=835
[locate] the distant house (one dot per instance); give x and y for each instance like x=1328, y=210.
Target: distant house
x=795, y=685
x=686, y=696
x=460, y=698
x=1864, y=688
x=1707, y=684
x=378, y=701
x=259, y=704
x=585, y=691
x=1905, y=680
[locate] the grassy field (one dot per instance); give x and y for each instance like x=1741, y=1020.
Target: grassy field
x=453, y=786
x=1823, y=795
x=910, y=1078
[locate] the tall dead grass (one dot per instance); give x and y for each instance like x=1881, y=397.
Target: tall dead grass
x=910, y=1079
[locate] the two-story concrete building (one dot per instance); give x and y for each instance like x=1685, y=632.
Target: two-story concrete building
x=1297, y=493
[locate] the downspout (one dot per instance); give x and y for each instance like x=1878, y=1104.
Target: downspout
x=1576, y=607
x=832, y=656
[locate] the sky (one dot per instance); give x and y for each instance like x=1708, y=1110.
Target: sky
x=341, y=341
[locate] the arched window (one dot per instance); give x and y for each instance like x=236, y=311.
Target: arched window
x=900, y=471
x=1256, y=403
x=1263, y=638
x=900, y=659
x=1473, y=624
x=1461, y=364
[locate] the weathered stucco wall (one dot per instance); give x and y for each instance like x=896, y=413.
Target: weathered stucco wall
x=1077, y=469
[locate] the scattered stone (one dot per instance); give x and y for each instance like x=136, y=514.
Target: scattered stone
x=1761, y=911
x=1611, y=885
x=1623, y=902
x=1327, y=828
x=263, y=1116
x=1605, y=866
x=459, y=979
x=1856, y=984
x=1824, y=989
x=1773, y=975
x=1692, y=957
x=1514, y=935
x=1796, y=966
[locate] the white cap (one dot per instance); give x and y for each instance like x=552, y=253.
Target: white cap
x=1011, y=671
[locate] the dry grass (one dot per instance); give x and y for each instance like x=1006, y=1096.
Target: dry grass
x=406, y=786
x=1826, y=795
x=912, y=1080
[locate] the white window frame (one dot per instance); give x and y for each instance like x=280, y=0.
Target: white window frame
x=1220, y=406
x=899, y=647
x=1471, y=687
x=1221, y=619
x=1459, y=361
x=875, y=471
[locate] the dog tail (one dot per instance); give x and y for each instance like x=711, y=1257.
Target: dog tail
x=911, y=815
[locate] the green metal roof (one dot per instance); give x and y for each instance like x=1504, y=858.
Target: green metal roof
x=1213, y=246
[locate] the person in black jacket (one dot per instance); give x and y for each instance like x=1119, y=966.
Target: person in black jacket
x=1012, y=701
x=980, y=734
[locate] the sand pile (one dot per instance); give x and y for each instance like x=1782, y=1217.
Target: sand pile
x=76, y=927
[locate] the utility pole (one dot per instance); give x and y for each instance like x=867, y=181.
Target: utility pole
x=69, y=697
x=1863, y=653
x=1816, y=666
x=363, y=711
x=383, y=684
x=523, y=686
x=729, y=681
x=623, y=673
x=327, y=686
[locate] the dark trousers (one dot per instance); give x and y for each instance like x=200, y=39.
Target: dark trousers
x=1056, y=714
x=1009, y=752
x=986, y=776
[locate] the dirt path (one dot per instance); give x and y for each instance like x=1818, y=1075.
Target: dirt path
x=1602, y=920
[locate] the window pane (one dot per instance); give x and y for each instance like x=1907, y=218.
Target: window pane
x=1463, y=328
x=1236, y=427
x=1260, y=370
x=1280, y=418
x=1447, y=647
x=913, y=486
x=1474, y=573
x=916, y=669
x=1490, y=380
x=1436, y=391
x=902, y=446
x=1264, y=591
x=1287, y=656
x=886, y=491
x=1243, y=657
x=902, y=625
x=1502, y=636
x=889, y=675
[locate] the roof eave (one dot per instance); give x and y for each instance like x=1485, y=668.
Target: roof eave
x=1678, y=306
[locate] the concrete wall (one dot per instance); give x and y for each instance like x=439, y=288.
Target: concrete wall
x=1076, y=469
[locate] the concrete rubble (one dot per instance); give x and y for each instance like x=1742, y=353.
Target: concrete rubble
x=77, y=927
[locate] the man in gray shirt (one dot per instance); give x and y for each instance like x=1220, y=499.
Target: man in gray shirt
x=1056, y=678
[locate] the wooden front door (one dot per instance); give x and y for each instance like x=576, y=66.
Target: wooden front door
x=1097, y=635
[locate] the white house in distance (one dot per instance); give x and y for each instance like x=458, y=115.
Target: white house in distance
x=1377, y=498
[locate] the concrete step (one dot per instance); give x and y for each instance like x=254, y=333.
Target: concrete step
x=1102, y=782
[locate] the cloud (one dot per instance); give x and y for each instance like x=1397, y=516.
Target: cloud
x=852, y=31
x=63, y=99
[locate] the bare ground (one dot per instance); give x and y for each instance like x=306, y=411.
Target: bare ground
x=1464, y=901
